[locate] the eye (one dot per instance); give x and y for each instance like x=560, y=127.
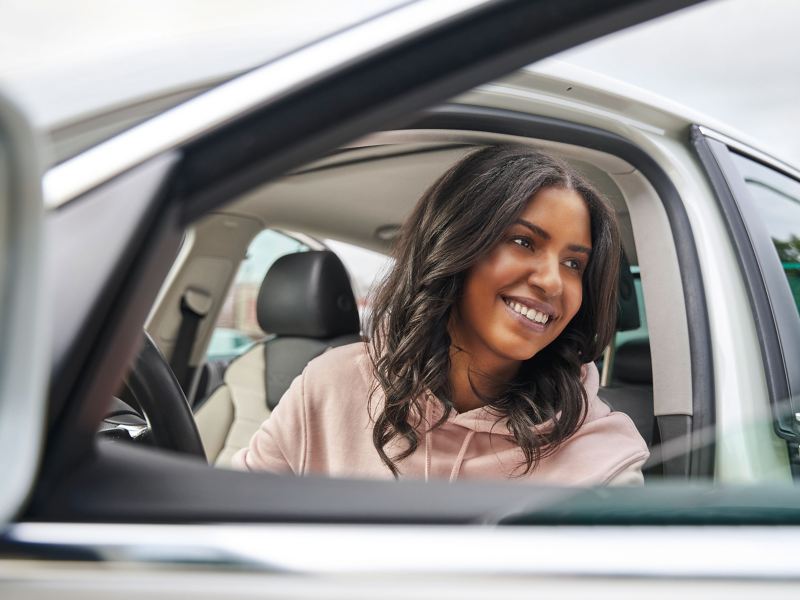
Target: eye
x=523, y=241
x=573, y=263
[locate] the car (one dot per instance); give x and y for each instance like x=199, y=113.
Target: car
x=227, y=343
x=336, y=140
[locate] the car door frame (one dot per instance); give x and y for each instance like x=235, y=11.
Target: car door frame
x=168, y=183
x=767, y=288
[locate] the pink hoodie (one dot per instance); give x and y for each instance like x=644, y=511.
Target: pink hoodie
x=322, y=426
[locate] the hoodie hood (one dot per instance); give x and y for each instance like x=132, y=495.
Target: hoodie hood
x=485, y=420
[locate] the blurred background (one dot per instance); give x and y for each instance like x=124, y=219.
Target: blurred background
x=73, y=61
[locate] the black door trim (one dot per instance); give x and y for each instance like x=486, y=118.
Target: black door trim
x=769, y=294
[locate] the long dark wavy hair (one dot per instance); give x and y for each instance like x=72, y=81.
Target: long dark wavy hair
x=456, y=223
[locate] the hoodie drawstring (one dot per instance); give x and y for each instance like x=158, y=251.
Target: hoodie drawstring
x=429, y=447
x=460, y=458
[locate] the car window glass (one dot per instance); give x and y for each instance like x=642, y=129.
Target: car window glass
x=778, y=200
x=365, y=267
x=237, y=326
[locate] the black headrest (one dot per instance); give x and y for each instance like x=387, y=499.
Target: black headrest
x=307, y=294
x=632, y=363
x=627, y=304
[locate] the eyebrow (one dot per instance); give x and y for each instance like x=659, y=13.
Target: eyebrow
x=543, y=234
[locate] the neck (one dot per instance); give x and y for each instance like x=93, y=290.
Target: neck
x=468, y=376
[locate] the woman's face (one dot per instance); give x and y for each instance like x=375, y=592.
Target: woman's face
x=522, y=295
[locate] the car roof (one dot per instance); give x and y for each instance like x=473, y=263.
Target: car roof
x=567, y=81
x=573, y=83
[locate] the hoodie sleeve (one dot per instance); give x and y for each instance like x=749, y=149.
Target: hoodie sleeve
x=279, y=444
x=618, y=452
x=630, y=476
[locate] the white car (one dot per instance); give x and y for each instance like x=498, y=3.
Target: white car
x=337, y=140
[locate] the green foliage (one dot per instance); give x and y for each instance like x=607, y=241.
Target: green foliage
x=789, y=250
x=789, y=253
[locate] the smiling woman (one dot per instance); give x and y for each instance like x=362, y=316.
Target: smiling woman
x=338, y=138
x=482, y=341
x=532, y=276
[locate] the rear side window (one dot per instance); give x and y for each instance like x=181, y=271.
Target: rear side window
x=777, y=200
x=237, y=326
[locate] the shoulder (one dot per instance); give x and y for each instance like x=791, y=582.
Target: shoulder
x=341, y=368
x=341, y=359
x=609, y=439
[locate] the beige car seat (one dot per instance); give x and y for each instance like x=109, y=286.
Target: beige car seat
x=307, y=303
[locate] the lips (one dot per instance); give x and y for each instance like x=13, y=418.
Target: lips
x=531, y=309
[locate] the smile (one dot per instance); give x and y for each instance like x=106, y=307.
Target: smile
x=530, y=314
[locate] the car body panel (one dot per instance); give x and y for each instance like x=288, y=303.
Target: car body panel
x=35, y=580
x=329, y=549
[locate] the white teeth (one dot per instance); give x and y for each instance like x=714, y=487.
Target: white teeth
x=530, y=313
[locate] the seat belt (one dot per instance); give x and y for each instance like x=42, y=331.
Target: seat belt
x=195, y=305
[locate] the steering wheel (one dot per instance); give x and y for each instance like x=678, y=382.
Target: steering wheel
x=152, y=393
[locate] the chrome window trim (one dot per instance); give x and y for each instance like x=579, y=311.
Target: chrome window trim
x=751, y=152
x=262, y=86
x=740, y=552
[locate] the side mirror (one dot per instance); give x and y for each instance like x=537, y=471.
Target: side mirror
x=24, y=356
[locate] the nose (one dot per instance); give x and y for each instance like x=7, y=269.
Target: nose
x=545, y=274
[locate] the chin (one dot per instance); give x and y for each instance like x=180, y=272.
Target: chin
x=522, y=353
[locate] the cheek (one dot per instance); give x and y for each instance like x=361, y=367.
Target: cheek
x=487, y=278
x=476, y=296
x=500, y=269
x=573, y=298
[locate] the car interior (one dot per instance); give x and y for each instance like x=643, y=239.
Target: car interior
x=361, y=194
x=169, y=227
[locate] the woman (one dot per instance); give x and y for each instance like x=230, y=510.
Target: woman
x=483, y=338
